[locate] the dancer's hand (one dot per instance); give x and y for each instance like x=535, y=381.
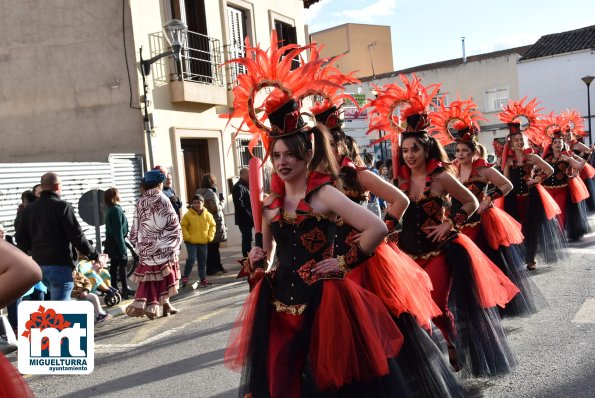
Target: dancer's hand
x=439, y=232
x=256, y=254
x=353, y=239
x=485, y=204
x=327, y=266
x=533, y=181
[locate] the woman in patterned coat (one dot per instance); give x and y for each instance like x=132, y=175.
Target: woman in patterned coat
x=156, y=236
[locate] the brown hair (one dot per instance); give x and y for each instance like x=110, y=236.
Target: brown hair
x=208, y=181
x=432, y=147
x=109, y=197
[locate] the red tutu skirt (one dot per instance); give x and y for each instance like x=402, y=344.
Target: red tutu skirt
x=551, y=207
x=352, y=336
x=493, y=287
x=587, y=172
x=400, y=283
x=156, y=284
x=503, y=229
x=12, y=384
x=578, y=190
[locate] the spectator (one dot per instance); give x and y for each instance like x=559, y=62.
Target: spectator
x=168, y=190
x=155, y=235
x=82, y=291
x=49, y=229
x=198, y=229
x=37, y=190
x=27, y=197
x=373, y=204
x=243, y=210
x=214, y=204
x=116, y=230
x=383, y=172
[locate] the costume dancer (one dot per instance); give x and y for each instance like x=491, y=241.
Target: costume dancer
x=568, y=192
x=304, y=329
x=403, y=287
x=574, y=129
x=492, y=229
x=529, y=203
x=474, y=337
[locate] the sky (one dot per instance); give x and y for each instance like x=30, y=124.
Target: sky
x=427, y=31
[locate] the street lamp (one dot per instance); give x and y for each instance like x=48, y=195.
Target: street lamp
x=174, y=31
x=587, y=80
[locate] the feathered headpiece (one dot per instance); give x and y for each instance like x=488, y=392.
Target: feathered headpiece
x=413, y=101
x=551, y=127
x=461, y=116
x=573, y=122
x=329, y=99
x=512, y=113
x=273, y=68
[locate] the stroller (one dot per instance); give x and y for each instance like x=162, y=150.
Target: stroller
x=101, y=281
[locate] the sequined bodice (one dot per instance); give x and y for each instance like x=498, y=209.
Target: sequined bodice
x=560, y=175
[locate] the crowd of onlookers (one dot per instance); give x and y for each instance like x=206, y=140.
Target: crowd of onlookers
x=46, y=229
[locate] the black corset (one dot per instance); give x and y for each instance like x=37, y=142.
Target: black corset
x=310, y=240
x=519, y=176
x=426, y=212
x=559, y=177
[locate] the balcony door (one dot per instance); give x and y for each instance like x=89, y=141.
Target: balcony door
x=197, y=53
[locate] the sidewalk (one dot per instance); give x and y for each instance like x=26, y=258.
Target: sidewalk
x=229, y=259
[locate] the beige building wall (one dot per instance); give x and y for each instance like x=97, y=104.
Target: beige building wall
x=64, y=86
x=191, y=110
x=367, y=49
x=476, y=78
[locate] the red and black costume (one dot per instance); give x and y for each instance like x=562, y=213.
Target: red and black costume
x=467, y=285
x=570, y=194
x=296, y=323
x=500, y=238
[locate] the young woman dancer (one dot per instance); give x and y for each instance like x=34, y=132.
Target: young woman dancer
x=403, y=287
x=492, y=229
x=430, y=236
x=304, y=329
x=568, y=192
x=529, y=203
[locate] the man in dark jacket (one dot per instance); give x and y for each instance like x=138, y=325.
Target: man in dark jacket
x=47, y=229
x=243, y=208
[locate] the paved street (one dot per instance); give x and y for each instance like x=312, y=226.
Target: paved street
x=182, y=355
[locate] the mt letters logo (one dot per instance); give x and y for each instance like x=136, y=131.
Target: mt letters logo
x=56, y=337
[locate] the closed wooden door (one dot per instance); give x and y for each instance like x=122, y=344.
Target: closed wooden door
x=196, y=164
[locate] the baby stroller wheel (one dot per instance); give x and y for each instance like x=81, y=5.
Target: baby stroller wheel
x=111, y=300
x=118, y=298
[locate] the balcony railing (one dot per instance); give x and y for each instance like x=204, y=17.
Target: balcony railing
x=201, y=59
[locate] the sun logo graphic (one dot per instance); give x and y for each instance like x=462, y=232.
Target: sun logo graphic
x=56, y=337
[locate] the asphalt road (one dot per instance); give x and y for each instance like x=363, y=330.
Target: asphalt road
x=182, y=355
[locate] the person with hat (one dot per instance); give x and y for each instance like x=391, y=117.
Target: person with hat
x=494, y=231
x=467, y=286
x=529, y=203
x=156, y=236
x=567, y=189
x=305, y=330
x=198, y=230
x=398, y=281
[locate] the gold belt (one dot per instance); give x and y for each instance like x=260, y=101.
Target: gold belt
x=556, y=186
x=297, y=309
x=425, y=256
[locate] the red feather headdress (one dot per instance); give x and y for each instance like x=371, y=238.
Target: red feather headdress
x=464, y=117
x=514, y=110
x=573, y=122
x=273, y=68
x=328, y=99
x=551, y=127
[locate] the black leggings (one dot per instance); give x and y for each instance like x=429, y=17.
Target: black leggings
x=117, y=271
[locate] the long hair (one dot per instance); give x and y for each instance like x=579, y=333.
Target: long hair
x=475, y=148
x=432, y=147
x=110, y=195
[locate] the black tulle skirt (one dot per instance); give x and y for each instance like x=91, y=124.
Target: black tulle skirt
x=590, y=201
x=577, y=221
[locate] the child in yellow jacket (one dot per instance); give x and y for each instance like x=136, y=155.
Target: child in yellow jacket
x=198, y=229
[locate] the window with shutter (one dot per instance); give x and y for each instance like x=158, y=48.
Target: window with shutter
x=237, y=33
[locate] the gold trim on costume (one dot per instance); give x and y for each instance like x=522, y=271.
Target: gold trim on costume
x=297, y=309
x=425, y=256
